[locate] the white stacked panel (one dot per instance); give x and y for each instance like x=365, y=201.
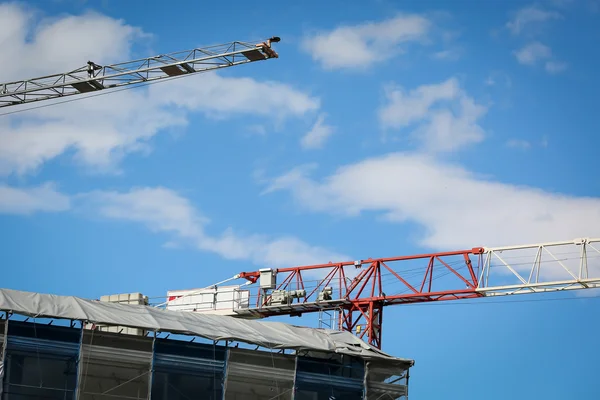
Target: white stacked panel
x=221, y=300
x=124, y=298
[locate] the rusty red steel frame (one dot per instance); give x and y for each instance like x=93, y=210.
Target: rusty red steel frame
x=360, y=300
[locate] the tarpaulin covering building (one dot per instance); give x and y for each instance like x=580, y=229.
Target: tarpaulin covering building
x=47, y=361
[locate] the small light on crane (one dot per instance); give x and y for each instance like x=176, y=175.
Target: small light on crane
x=266, y=47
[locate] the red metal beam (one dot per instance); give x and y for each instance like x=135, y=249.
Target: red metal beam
x=364, y=308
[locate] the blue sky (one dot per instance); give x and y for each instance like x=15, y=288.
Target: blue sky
x=384, y=128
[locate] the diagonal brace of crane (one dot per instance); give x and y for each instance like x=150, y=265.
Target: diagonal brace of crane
x=357, y=291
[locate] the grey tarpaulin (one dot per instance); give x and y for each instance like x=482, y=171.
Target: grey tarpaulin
x=275, y=335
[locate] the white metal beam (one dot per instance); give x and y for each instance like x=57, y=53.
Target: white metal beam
x=542, y=267
x=93, y=77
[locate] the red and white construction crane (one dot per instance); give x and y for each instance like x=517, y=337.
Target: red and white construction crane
x=357, y=291
x=94, y=77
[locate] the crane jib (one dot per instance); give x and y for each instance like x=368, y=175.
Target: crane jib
x=94, y=77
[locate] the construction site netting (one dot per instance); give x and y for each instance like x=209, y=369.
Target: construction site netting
x=45, y=358
x=275, y=335
x=114, y=366
x=39, y=361
x=259, y=375
x=184, y=370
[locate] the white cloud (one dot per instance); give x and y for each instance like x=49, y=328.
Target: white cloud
x=257, y=129
x=318, y=134
x=163, y=210
x=444, y=117
x=455, y=207
x=33, y=48
x=554, y=67
x=221, y=97
x=518, y=144
x=534, y=52
x=562, y=3
x=26, y=201
x=160, y=209
x=530, y=17
x=498, y=78
x=529, y=20
x=362, y=45
x=448, y=55
x=404, y=108
x=100, y=131
x=531, y=53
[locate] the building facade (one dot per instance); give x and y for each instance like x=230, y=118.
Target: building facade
x=42, y=361
x=60, y=347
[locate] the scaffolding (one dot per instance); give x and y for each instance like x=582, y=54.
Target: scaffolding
x=57, y=358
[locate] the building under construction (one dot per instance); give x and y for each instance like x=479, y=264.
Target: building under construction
x=61, y=347
x=206, y=343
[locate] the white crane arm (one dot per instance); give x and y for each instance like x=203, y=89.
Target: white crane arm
x=94, y=77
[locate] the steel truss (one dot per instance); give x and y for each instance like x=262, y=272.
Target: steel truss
x=94, y=77
x=573, y=264
x=361, y=289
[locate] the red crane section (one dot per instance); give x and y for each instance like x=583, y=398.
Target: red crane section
x=362, y=285
x=355, y=292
